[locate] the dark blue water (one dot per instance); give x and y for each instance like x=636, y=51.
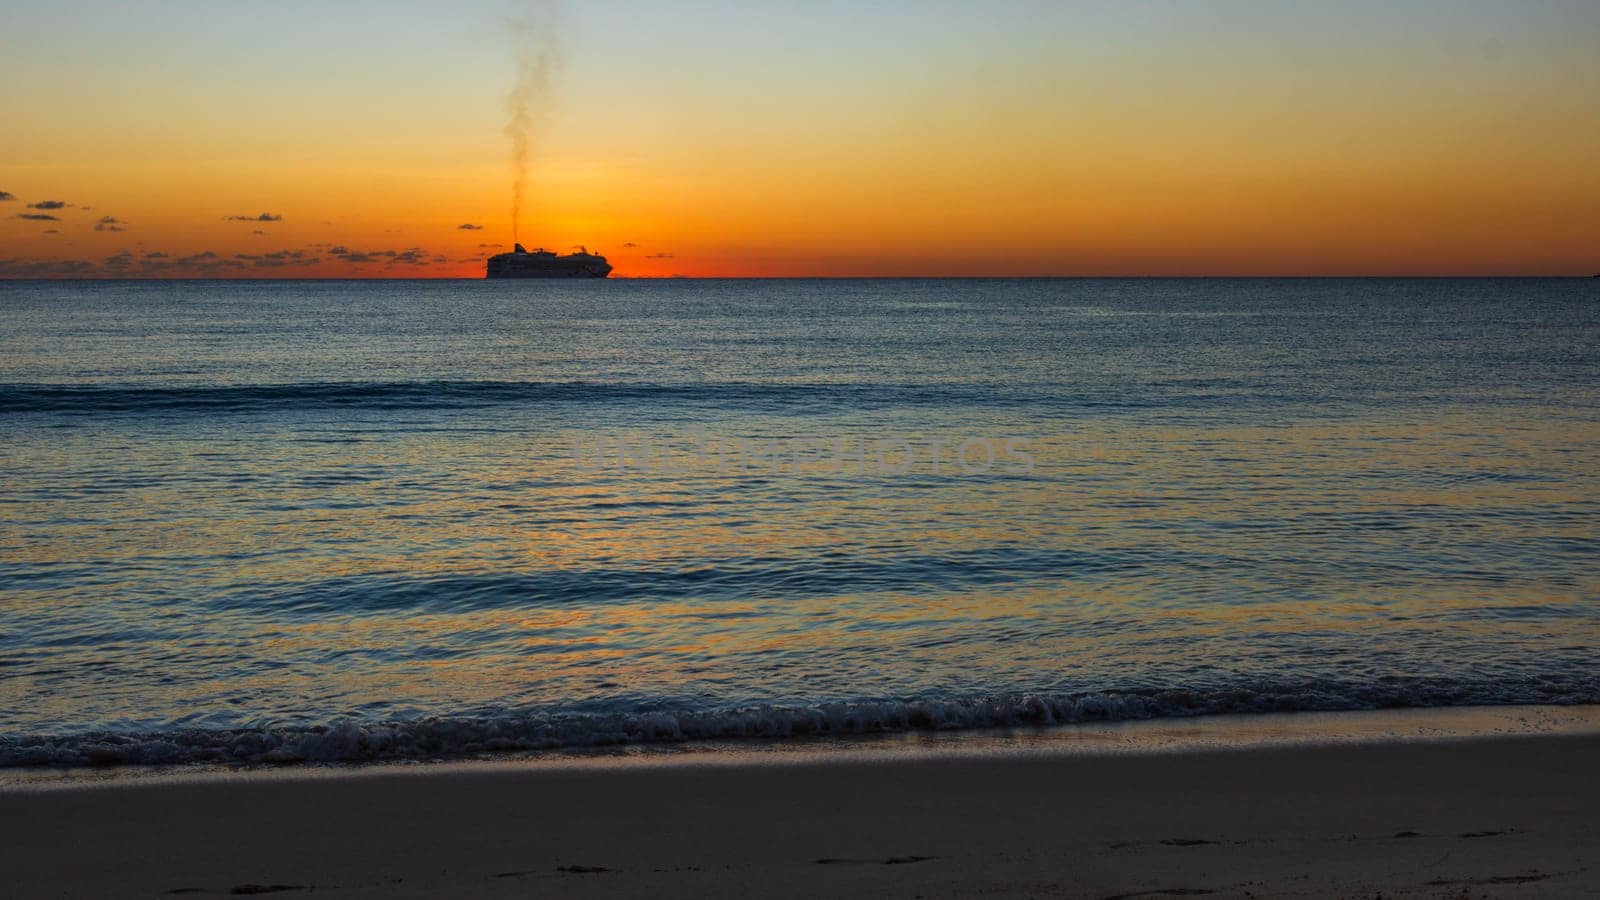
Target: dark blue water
x=252, y=520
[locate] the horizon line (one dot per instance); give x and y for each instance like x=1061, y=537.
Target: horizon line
x=1115, y=277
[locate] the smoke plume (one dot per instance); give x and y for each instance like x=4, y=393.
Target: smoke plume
x=537, y=49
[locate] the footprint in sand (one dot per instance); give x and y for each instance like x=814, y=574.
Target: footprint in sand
x=885, y=861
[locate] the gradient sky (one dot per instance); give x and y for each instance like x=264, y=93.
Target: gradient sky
x=817, y=138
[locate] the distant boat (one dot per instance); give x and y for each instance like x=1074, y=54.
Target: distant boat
x=541, y=263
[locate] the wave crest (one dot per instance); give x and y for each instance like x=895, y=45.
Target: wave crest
x=445, y=737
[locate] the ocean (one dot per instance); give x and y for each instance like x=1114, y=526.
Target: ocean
x=251, y=521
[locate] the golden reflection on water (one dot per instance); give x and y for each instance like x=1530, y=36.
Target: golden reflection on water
x=937, y=590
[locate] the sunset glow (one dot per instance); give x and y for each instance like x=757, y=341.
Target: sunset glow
x=710, y=139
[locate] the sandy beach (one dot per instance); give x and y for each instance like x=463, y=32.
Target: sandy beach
x=920, y=450
x=1448, y=808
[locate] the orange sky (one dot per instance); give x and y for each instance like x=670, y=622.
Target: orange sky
x=712, y=139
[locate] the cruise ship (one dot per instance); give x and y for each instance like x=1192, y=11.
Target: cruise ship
x=541, y=263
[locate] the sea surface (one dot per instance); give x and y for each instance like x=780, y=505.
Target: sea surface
x=281, y=521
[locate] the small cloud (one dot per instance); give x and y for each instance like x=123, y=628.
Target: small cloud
x=65, y=268
x=7, y=195
x=630, y=245
x=468, y=226
x=49, y=204
x=489, y=246
x=415, y=256
x=659, y=256
x=345, y=254
x=52, y=231
x=258, y=233
x=37, y=217
x=264, y=217
x=109, y=223
x=279, y=259
x=206, y=262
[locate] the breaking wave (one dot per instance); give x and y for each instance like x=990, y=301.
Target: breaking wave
x=790, y=397
x=455, y=737
x=426, y=395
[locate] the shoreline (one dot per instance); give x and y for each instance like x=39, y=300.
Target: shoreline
x=1172, y=735
x=1493, y=801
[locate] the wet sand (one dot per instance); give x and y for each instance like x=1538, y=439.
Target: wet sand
x=1422, y=810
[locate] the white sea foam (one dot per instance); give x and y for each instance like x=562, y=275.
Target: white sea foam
x=444, y=737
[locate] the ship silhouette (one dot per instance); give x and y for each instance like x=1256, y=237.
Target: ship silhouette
x=542, y=263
